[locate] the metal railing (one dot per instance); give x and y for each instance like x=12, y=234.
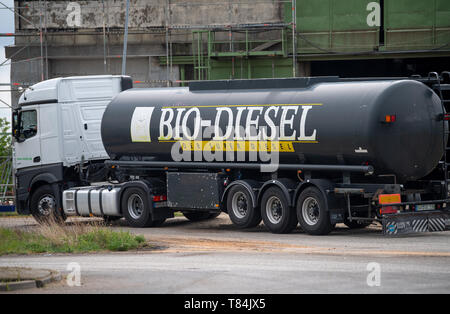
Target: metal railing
x=6, y=185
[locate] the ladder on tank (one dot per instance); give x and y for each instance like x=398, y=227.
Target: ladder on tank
x=442, y=89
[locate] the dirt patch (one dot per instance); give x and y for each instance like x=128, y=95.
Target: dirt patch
x=225, y=245
x=192, y=244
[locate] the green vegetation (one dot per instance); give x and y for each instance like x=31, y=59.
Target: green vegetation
x=10, y=214
x=5, y=158
x=67, y=239
x=5, y=138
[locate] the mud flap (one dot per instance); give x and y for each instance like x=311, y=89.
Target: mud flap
x=415, y=223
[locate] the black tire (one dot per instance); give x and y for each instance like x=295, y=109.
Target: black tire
x=136, y=209
x=200, y=216
x=241, y=209
x=276, y=213
x=318, y=223
x=356, y=224
x=43, y=206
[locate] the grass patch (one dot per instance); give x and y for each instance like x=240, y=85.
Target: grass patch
x=75, y=238
x=8, y=214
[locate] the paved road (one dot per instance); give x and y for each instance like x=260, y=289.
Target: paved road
x=214, y=257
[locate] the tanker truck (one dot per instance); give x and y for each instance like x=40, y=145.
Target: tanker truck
x=311, y=151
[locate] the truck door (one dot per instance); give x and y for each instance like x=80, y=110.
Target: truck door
x=91, y=117
x=27, y=145
x=72, y=136
x=49, y=134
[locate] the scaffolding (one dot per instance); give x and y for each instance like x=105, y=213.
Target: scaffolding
x=6, y=184
x=240, y=41
x=204, y=38
x=311, y=41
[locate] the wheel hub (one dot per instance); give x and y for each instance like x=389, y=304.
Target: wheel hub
x=239, y=204
x=311, y=211
x=135, y=206
x=46, y=205
x=274, y=209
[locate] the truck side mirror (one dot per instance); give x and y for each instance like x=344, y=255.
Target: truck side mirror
x=16, y=126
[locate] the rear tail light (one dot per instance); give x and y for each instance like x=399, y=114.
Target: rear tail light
x=159, y=198
x=390, y=118
x=385, y=199
x=388, y=210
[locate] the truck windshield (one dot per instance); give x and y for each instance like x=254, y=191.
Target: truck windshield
x=27, y=124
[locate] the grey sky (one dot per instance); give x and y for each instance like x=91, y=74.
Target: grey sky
x=6, y=26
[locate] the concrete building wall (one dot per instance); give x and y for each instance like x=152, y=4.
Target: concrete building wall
x=145, y=14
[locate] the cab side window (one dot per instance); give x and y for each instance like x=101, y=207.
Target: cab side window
x=28, y=124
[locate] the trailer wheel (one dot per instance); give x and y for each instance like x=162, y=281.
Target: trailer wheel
x=276, y=213
x=241, y=209
x=312, y=213
x=136, y=209
x=200, y=216
x=43, y=206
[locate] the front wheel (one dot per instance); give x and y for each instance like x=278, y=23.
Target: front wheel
x=136, y=209
x=312, y=213
x=43, y=206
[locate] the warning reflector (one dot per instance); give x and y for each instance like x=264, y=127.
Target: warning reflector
x=389, y=199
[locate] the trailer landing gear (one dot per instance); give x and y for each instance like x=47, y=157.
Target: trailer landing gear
x=200, y=216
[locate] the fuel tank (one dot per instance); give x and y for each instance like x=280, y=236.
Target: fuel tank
x=393, y=125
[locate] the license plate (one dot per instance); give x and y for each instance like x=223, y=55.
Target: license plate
x=425, y=207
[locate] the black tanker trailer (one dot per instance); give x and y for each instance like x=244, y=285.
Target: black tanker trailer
x=390, y=125
x=314, y=151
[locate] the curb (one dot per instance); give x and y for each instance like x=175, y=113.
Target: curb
x=28, y=284
x=53, y=277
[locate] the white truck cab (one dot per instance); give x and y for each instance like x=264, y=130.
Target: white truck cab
x=56, y=128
